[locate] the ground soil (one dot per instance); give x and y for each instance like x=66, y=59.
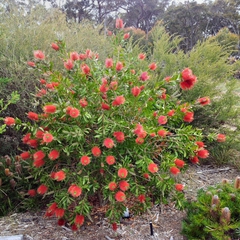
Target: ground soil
x=166, y=220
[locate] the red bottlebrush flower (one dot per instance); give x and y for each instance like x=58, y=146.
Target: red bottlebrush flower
x=168, y=78
x=96, y=151
x=61, y=222
x=119, y=66
x=203, y=153
x=141, y=198
x=42, y=81
x=74, y=227
x=41, y=92
x=82, y=56
x=133, y=71
x=74, y=113
x=83, y=102
x=74, y=56
x=188, y=117
x=75, y=190
x=85, y=69
x=144, y=76
x=174, y=170
x=221, y=137
x=162, y=120
x=118, y=101
x=49, y=109
x=59, y=212
x=112, y=186
x=171, y=113
x=110, y=160
x=200, y=144
x=120, y=196
x=38, y=163
x=119, y=23
x=105, y=106
x=39, y=134
x=179, y=163
x=108, y=143
x=54, y=154
x=42, y=189
x=52, y=175
x=59, y=176
x=179, y=187
x=9, y=121
x=188, y=79
x=186, y=73
x=32, y=192
x=32, y=143
x=49, y=86
x=31, y=64
x=194, y=159
x=114, y=226
x=55, y=46
x=48, y=137
x=39, y=55
x=68, y=109
x=122, y=172
x=79, y=220
x=52, y=207
x=25, y=155
x=33, y=116
x=152, y=66
x=69, y=64
x=109, y=63
x=124, y=185
x=85, y=160
x=126, y=36
x=103, y=88
x=119, y=136
x=152, y=167
x=113, y=85
x=141, y=56
x=38, y=155
x=204, y=101
x=146, y=175
x=138, y=129
x=152, y=134
x=162, y=133
x=101, y=170
x=136, y=91
x=139, y=140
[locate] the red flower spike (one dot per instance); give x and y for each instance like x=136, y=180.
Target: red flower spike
x=120, y=196
x=110, y=160
x=171, y=113
x=33, y=116
x=49, y=109
x=54, y=154
x=79, y=220
x=119, y=136
x=141, y=56
x=75, y=190
x=42, y=189
x=74, y=56
x=135, y=91
x=85, y=69
x=144, y=76
x=25, y=155
x=162, y=133
x=174, y=170
x=122, y=172
x=32, y=143
x=141, y=198
x=221, y=137
x=59, y=212
x=139, y=140
x=38, y=163
x=203, y=153
x=188, y=117
x=61, y=222
x=109, y=63
x=126, y=36
x=119, y=23
x=59, y=176
x=31, y=64
x=152, y=167
x=74, y=112
x=119, y=66
x=83, y=102
x=179, y=187
x=146, y=175
x=48, y=137
x=69, y=64
x=124, y=185
x=112, y=186
x=194, y=159
x=55, y=46
x=32, y=192
x=200, y=144
x=204, y=101
x=105, y=106
x=9, y=121
x=96, y=151
x=179, y=163
x=74, y=227
x=85, y=160
x=39, y=54
x=153, y=66
x=162, y=120
x=39, y=155
x=114, y=226
x=39, y=134
x=108, y=143
x=118, y=101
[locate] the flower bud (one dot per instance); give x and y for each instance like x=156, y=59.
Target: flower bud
x=18, y=168
x=225, y=181
x=225, y=216
x=0, y=182
x=237, y=182
x=13, y=183
x=233, y=196
x=8, y=160
x=215, y=200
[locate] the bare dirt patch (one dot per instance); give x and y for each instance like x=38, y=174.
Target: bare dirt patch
x=166, y=219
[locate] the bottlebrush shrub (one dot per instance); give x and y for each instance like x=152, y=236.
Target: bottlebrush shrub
x=106, y=130
x=215, y=214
